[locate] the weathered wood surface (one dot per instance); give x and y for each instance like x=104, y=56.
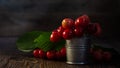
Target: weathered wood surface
x=7, y=61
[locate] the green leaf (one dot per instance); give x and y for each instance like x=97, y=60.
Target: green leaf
x=59, y=45
x=38, y=39
x=26, y=42
x=98, y=46
x=43, y=42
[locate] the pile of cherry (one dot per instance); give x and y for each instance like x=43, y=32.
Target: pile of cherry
x=95, y=54
x=70, y=29
x=100, y=55
x=52, y=54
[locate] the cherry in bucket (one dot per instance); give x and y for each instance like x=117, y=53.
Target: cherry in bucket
x=67, y=23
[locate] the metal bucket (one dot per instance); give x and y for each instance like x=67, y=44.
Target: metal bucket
x=78, y=50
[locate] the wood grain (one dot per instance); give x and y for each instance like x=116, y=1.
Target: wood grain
x=31, y=62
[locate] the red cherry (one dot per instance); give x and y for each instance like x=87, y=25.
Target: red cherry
x=91, y=50
x=51, y=55
x=97, y=55
x=67, y=23
x=78, y=22
x=82, y=21
x=98, y=29
x=42, y=54
x=107, y=56
x=54, y=31
x=100, y=50
x=58, y=55
x=91, y=28
x=78, y=32
x=54, y=37
x=63, y=52
x=36, y=53
x=86, y=19
x=68, y=34
x=60, y=30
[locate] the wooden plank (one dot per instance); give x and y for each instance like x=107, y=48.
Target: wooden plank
x=4, y=61
x=31, y=62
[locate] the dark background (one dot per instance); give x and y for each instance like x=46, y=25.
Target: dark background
x=20, y=16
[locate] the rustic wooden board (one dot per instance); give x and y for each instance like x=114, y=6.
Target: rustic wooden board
x=19, y=61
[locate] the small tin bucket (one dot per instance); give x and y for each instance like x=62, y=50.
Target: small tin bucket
x=78, y=50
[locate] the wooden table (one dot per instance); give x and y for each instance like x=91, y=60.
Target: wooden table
x=10, y=57
x=8, y=61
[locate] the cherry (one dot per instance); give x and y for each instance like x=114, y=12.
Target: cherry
x=42, y=54
x=91, y=51
x=36, y=53
x=78, y=32
x=63, y=52
x=82, y=21
x=107, y=56
x=97, y=55
x=68, y=34
x=67, y=23
x=91, y=28
x=98, y=29
x=51, y=54
x=58, y=55
x=60, y=30
x=54, y=37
